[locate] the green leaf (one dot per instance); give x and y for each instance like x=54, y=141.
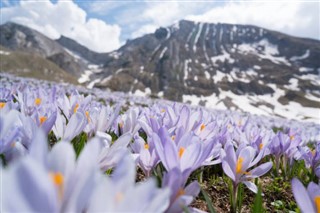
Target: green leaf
x=257, y=204
x=79, y=143
x=208, y=201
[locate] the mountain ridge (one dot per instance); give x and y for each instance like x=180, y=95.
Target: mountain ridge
x=214, y=65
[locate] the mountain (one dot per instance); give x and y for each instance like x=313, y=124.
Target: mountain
x=16, y=37
x=215, y=65
x=221, y=65
x=30, y=65
x=82, y=51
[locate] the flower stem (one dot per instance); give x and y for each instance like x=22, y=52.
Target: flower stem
x=234, y=198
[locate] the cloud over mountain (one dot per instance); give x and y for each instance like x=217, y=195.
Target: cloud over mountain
x=64, y=18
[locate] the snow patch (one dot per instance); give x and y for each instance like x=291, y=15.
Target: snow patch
x=265, y=50
x=294, y=84
x=115, y=54
x=197, y=37
x=224, y=57
x=92, y=83
x=305, y=69
x=160, y=94
x=207, y=74
x=4, y=52
x=85, y=76
x=304, y=56
x=163, y=52
x=256, y=67
x=146, y=92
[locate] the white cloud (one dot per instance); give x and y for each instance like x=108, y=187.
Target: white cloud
x=296, y=18
x=65, y=18
x=145, y=29
x=156, y=14
x=292, y=17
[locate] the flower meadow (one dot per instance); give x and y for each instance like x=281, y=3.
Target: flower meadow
x=68, y=149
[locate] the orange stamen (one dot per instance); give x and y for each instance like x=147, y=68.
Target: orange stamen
x=2, y=104
x=37, y=101
x=317, y=202
x=181, y=151
x=76, y=108
x=202, y=127
x=146, y=146
x=42, y=119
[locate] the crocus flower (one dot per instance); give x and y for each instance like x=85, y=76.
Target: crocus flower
x=75, y=125
x=16, y=133
x=311, y=157
x=120, y=193
x=181, y=195
x=308, y=199
x=54, y=181
x=188, y=154
x=148, y=158
x=128, y=123
x=110, y=155
x=236, y=165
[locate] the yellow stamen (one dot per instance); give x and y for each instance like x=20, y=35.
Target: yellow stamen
x=317, y=202
x=37, y=101
x=202, y=127
x=163, y=110
x=181, y=192
x=88, y=116
x=291, y=137
x=121, y=124
x=240, y=123
x=57, y=178
x=313, y=152
x=42, y=119
x=239, y=165
x=181, y=151
x=229, y=126
x=2, y=104
x=75, y=109
x=13, y=144
x=173, y=137
x=260, y=146
x=146, y=146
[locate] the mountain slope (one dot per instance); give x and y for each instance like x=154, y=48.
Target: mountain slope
x=20, y=38
x=221, y=65
x=31, y=65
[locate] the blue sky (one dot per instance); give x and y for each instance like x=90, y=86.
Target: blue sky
x=104, y=26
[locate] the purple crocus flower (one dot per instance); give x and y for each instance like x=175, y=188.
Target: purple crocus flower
x=120, y=193
x=188, y=154
x=181, y=196
x=236, y=165
x=54, y=181
x=308, y=199
x=128, y=122
x=148, y=158
x=311, y=157
x=111, y=155
x=75, y=126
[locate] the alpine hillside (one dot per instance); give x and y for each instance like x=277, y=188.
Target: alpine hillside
x=221, y=66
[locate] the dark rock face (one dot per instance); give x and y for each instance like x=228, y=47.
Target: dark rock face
x=201, y=59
